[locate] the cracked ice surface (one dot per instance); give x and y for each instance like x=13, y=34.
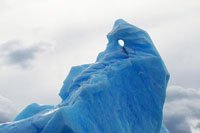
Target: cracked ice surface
x=122, y=92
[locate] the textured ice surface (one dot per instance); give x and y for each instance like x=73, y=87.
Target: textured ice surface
x=122, y=92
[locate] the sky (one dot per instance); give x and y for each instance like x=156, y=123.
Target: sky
x=40, y=40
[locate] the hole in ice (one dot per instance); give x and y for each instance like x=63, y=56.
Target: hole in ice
x=121, y=43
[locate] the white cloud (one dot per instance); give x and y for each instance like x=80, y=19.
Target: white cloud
x=182, y=110
x=7, y=110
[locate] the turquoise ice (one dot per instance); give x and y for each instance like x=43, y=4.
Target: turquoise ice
x=122, y=92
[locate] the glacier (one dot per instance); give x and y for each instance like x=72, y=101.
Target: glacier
x=122, y=92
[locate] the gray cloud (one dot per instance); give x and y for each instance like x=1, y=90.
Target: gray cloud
x=7, y=110
x=16, y=53
x=198, y=126
x=182, y=109
x=177, y=124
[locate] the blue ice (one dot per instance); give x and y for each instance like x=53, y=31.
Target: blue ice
x=122, y=92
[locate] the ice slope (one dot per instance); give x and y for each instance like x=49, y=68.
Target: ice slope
x=122, y=92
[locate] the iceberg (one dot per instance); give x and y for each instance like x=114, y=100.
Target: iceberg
x=122, y=92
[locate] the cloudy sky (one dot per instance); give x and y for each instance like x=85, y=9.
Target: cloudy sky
x=41, y=39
